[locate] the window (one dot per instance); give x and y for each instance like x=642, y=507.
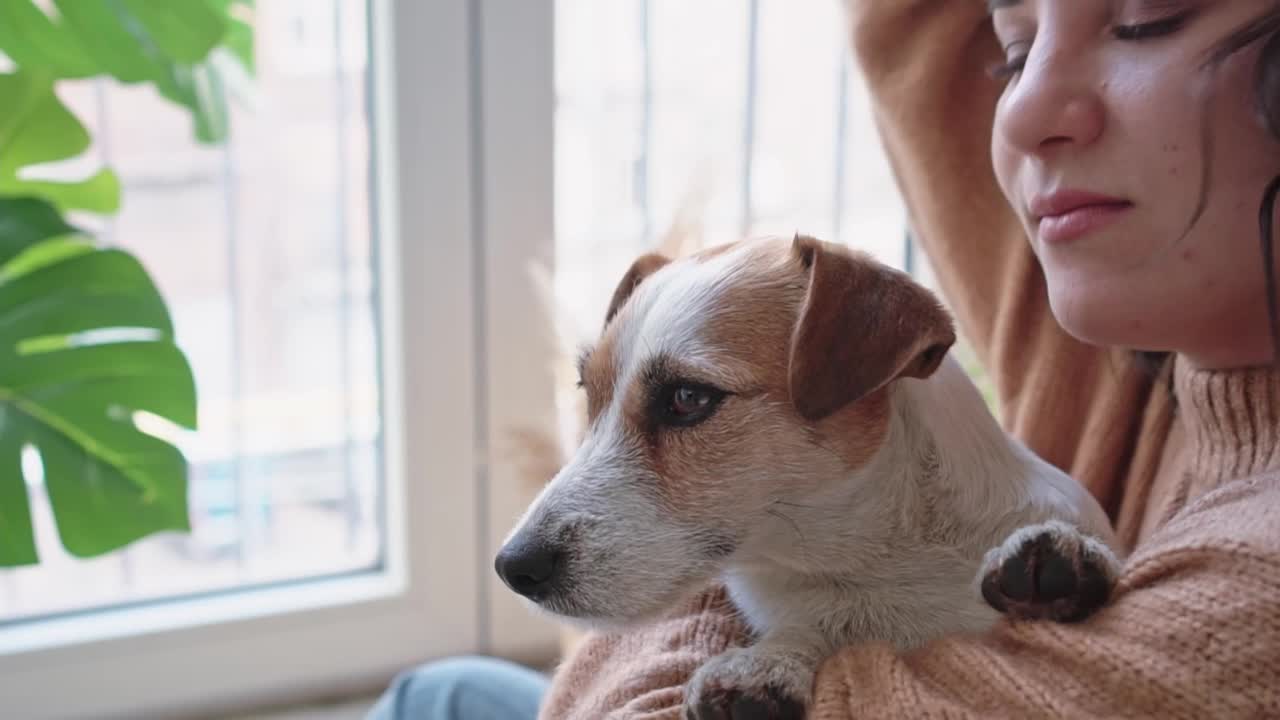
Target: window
x=736, y=118
x=742, y=118
x=727, y=118
x=360, y=282
x=326, y=282
x=263, y=249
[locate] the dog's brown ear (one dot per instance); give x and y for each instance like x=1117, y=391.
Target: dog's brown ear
x=862, y=325
x=643, y=267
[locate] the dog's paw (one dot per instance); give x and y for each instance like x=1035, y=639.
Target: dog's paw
x=1050, y=571
x=745, y=685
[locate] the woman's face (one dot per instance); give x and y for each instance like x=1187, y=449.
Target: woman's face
x=1110, y=134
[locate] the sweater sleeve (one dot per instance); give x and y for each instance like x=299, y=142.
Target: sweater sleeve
x=925, y=63
x=642, y=673
x=1193, y=632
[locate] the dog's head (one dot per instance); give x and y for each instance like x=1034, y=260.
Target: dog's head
x=724, y=385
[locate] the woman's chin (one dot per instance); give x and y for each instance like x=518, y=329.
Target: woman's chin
x=1112, y=319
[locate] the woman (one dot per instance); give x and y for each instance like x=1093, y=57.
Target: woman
x=1101, y=197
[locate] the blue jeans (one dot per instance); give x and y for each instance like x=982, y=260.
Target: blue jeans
x=463, y=688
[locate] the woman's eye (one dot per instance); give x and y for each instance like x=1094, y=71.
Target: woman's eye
x=1151, y=29
x=683, y=405
x=1009, y=68
x=1015, y=54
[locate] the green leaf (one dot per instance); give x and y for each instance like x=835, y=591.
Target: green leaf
x=109, y=39
x=173, y=44
x=239, y=38
x=17, y=538
x=185, y=59
x=99, y=506
x=25, y=221
x=71, y=394
x=100, y=193
x=122, y=37
x=45, y=253
x=240, y=42
x=36, y=128
x=184, y=31
x=77, y=289
x=200, y=89
x=34, y=41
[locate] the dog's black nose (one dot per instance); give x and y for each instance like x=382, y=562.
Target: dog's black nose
x=530, y=569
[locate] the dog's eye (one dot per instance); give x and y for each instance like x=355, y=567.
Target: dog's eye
x=689, y=401
x=687, y=404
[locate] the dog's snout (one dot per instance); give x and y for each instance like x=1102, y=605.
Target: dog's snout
x=531, y=568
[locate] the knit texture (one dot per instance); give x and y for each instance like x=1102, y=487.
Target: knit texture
x=1191, y=479
x=640, y=675
x=1231, y=420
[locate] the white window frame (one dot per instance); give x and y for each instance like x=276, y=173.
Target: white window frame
x=463, y=118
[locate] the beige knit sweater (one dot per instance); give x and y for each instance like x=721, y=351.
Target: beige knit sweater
x=1192, y=482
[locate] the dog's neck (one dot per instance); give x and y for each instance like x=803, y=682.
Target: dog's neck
x=954, y=444
x=944, y=465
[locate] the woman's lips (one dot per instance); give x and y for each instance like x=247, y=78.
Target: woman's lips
x=1068, y=215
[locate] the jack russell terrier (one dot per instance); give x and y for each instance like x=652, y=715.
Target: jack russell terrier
x=781, y=416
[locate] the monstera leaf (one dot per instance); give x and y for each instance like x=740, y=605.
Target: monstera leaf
x=36, y=128
x=25, y=222
x=85, y=339
x=184, y=47
x=85, y=343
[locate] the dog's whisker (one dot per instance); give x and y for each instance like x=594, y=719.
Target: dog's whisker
x=794, y=525
x=829, y=450
x=798, y=505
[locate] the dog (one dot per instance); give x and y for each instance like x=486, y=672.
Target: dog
x=782, y=416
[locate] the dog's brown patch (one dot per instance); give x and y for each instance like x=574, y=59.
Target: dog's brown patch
x=714, y=251
x=598, y=373
x=599, y=368
x=862, y=326
x=755, y=328
x=806, y=337
x=643, y=267
x=742, y=335
x=857, y=431
x=748, y=336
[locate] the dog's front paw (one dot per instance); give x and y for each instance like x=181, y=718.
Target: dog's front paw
x=1050, y=571
x=745, y=685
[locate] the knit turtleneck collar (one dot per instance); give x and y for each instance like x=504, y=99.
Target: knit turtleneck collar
x=1232, y=421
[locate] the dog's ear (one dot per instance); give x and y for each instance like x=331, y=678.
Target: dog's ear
x=643, y=267
x=862, y=325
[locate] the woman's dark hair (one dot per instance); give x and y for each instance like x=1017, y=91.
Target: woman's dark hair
x=1264, y=29
x=1267, y=98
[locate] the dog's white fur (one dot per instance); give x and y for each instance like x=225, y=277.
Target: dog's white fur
x=944, y=442
x=815, y=554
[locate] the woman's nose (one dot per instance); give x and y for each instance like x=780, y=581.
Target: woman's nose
x=1052, y=105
